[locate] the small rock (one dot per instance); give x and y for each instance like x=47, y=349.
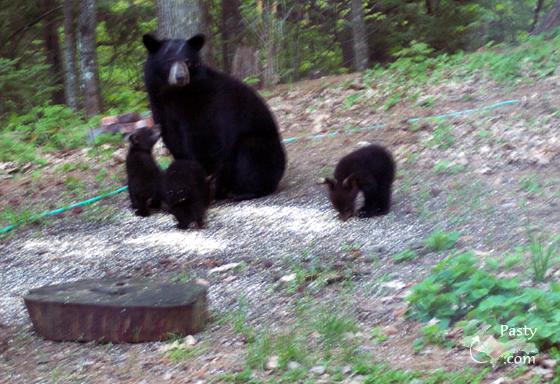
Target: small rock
x=549, y=363
x=168, y=376
x=293, y=365
x=272, y=362
x=346, y=369
x=390, y=330
x=317, y=370
x=501, y=380
x=190, y=340
x=288, y=278
x=224, y=268
x=395, y=284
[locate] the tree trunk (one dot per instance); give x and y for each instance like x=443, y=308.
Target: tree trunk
x=204, y=27
x=551, y=20
x=359, y=36
x=70, y=70
x=178, y=19
x=182, y=19
x=52, y=49
x=246, y=64
x=89, y=75
x=538, y=9
x=232, y=28
x=270, y=76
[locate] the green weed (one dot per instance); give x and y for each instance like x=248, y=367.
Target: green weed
x=440, y=241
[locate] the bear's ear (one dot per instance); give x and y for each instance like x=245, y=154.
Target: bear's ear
x=151, y=43
x=350, y=183
x=330, y=183
x=197, y=41
x=131, y=137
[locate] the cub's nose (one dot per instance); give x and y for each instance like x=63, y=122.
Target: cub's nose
x=181, y=79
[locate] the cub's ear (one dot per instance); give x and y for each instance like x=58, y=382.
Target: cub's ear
x=131, y=138
x=151, y=43
x=197, y=41
x=331, y=183
x=350, y=183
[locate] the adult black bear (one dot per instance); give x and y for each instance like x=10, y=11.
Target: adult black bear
x=213, y=118
x=188, y=192
x=371, y=170
x=143, y=173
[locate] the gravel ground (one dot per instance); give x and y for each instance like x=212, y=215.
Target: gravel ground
x=269, y=237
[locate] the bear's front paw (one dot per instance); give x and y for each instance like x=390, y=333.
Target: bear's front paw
x=364, y=213
x=183, y=226
x=142, y=212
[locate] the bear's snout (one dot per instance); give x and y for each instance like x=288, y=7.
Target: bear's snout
x=179, y=74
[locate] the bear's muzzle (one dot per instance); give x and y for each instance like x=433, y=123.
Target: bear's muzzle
x=179, y=74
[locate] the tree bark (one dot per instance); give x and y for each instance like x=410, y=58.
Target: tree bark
x=52, y=50
x=89, y=75
x=270, y=38
x=359, y=36
x=232, y=29
x=538, y=9
x=551, y=20
x=70, y=70
x=178, y=19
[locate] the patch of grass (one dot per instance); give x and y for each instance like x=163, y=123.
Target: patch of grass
x=378, y=336
x=431, y=334
x=70, y=167
x=446, y=167
x=332, y=326
x=404, y=256
x=440, y=241
x=542, y=255
x=392, y=101
x=443, y=137
x=530, y=184
x=74, y=185
x=352, y=99
x=382, y=374
x=179, y=354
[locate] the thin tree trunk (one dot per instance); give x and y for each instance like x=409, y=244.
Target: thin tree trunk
x=232, y=28
x=270, y=33
x=70, y=70
x=359, y=36
x=204, y=27
x=538, y=9
x=551, y=20
x=89, y=75
x=52, y=49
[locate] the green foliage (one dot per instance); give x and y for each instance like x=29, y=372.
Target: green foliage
x=49, y=128
x=457, y=289
x=431, y=334
x=530, y=184
x=441, y=241
x=445, y=167
x=332, y=326
x=23, y=86
x=403, y=256
x=442, y=136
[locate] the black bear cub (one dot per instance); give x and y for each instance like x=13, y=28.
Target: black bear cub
x=143, y=173
x=188, y=192
x=371, y=170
